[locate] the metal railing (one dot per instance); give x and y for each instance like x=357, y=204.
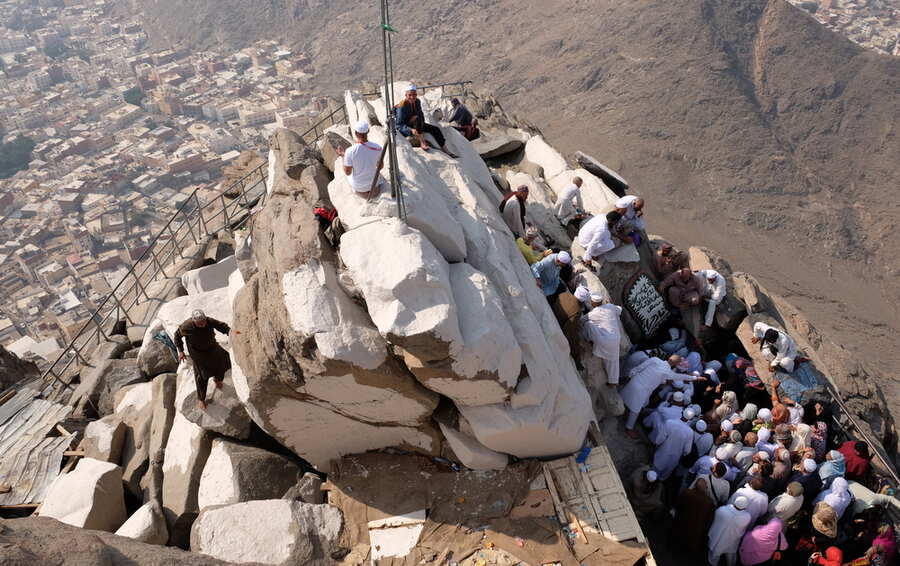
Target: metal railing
x=192, y=222
x=464, y=88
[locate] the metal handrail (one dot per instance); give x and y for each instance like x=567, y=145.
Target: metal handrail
x=191, y=215
x=426, y=87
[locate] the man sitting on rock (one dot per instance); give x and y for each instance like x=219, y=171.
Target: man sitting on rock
x=669, y=260
x=570, y=208
x=210, y=359
x=595, y=236
x=631, y=208
x=776, y=346
x=682, y=289
x=512, y=207
x=363, y=162
x=467, y=124
x=546, y=274
x=529, y=248
x=713, y=291
x=411, y=121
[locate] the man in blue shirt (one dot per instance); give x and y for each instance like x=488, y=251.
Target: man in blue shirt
x=411, y=121
x=546, y=274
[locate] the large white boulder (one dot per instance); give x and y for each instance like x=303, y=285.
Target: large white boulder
x=103, y=439
x=154, y=357
x=236, y=472
x=134, y=408
x=224, y=412
x=406, y=285
x=90, y=497
x=209, y=277
x=272, y=531
x=473, y=454
x=163, y=409
x=214, y=303
x=147, y=524
x=186, y=453
x=426, y=210
x=539, y=152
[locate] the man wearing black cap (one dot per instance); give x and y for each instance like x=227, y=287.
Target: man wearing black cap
x=210, y=359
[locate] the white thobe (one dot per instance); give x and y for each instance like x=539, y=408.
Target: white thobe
x=744, y=458
x=512, y=215
x=787, y=348
x=728, y=528
x=627, y=203
x=759, y=502
x=658, y=417
x=677, y=442
x=601, y=328
x=704, y=442
x=645, y=378
x=569, y=203
x=714, y=292
x=785, y=506
x=595, y=237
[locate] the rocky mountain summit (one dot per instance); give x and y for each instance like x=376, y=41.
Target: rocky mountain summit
x=14, y=370
x=747, y=123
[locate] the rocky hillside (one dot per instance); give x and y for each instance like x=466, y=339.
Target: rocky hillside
x=13, y=369
x=747, y=124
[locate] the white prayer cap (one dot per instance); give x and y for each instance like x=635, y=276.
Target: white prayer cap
x=361, y=127
x=764, y=434
x=741, y=502
x=651, y=476
x=688, y=414
x=765, y=415
x=727, y=426
x=763, y=455
x=582, y=293
x=596, y=298
x=696, y=408
x=564, y=257
x=809, y=465
x=198, y=315
x=674, y=333
x=714, y=365
x=700, y=425
x=678, y=397
x=678, y=384
x=721, y=454
x=710, y=372
x=409, y=88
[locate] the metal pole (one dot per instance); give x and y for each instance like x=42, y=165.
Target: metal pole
x=225, y=211
x=200, y=215
x=158, y=264
x=137, y=280
x=174, y=242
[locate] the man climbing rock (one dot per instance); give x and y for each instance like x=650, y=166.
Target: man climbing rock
x=210, y=359
x=411, y=121
x=570, y=207
x=363, y=162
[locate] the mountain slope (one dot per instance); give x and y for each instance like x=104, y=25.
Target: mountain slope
x=749, y=127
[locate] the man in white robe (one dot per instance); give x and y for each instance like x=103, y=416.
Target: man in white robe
x=569, y=204
x=514, y=211
x=729, y=525
x=786, y=505
x=631, y=208
x=778, y=347
x=757, y=498
x=677, y=442
x=666, y=410
x=601, y=328
x=644, y=379
x=713, y=292
x=595, y=236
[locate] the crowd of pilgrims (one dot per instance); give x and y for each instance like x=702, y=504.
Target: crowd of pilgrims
x=745, y=476
x=752, y=478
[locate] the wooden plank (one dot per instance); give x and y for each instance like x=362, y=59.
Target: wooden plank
x=62, y=430
x=76, y=453
x=560, y=510
x=19, y=506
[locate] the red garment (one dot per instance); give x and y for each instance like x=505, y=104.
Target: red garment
x=857, y=466
x=833, y=557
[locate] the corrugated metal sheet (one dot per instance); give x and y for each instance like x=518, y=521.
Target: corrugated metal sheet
x=30, y=459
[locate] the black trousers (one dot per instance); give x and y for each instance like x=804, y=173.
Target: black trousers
x=418, y=124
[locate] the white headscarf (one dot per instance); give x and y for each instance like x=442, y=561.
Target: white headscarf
x=838, y=497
